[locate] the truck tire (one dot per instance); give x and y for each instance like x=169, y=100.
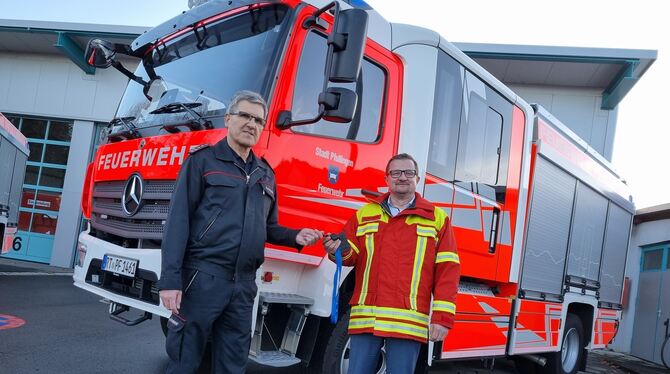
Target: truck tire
x=336, y=358
x=316, y=360
x=568, y=359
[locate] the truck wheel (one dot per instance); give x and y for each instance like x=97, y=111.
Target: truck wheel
x=316, y=361
x=336, y=358
x=568, y=359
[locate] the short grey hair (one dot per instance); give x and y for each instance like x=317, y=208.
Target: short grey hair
x=248, y=96
x=403, y=156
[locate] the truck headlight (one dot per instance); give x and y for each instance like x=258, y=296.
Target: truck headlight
x=81, y=254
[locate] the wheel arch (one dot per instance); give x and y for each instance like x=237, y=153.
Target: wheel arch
x=585, y=312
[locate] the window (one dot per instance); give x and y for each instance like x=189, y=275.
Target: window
x=34, y=128
x=309, y=83
x=446, y=118
x=480, y=136
x=210, y=64
x=31, y=174
x=652, y=260
x=656, y=257
x=483, y=140
x=56, y=154
x=14, y=120
x=35, y=151
x=49, y=143
x=61, y=131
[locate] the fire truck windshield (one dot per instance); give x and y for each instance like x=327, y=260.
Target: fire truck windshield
x=204, y=67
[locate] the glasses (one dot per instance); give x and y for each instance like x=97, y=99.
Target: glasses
x=409, y=173
x=247, y=117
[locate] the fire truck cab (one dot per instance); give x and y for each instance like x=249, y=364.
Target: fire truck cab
x=541, y=220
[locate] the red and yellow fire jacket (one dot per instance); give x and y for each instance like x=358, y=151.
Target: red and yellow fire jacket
x=400, y=262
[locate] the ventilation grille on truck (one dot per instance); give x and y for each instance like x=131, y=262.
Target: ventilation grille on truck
x=108, y=216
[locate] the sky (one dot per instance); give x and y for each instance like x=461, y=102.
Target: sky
x=643, y=130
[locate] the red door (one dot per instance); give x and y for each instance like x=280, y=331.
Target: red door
x=322, y=168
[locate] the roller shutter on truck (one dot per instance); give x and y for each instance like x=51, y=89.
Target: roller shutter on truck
x=548, y=230
x=617, y=235
x=575, y=237
x=586, y=240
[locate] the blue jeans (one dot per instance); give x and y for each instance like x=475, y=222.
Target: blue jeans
x=364, y=350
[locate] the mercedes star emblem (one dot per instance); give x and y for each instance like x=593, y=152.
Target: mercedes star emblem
x=131, y=201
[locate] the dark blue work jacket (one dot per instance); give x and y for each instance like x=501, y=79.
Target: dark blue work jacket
x=221, y=214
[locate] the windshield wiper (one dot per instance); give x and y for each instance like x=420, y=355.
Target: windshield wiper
x=200, y=122
x=129, y=129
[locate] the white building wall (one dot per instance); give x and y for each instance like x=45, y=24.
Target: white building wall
x=53, y=86
x=643, y=234
x=577, y=109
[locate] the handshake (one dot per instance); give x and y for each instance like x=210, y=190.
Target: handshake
x=331, y=242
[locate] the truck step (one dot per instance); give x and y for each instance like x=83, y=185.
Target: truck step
x=274, y=358
x=284, y=298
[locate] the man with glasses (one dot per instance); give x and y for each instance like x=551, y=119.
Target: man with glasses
x=223, y=208
x=406, y=273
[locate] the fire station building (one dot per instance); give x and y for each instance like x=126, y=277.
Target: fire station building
x=61, y=105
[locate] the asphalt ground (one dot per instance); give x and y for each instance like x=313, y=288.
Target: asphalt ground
x=67, y=330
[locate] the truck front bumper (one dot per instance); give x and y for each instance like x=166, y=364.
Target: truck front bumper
x=139, y=292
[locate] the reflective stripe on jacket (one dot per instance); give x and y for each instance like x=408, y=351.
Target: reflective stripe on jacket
x=400, y=262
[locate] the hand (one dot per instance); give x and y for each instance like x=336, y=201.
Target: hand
x=308, y=237
x=331, y=245
x=171, y=299
x=437, y=333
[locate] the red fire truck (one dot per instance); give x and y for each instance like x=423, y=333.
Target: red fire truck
x=542, y=221
x=14, y=153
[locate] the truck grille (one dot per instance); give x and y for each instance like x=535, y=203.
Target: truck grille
x=108, y=215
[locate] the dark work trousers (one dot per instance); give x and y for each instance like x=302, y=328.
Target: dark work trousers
x=401, y=354
x=218, y=306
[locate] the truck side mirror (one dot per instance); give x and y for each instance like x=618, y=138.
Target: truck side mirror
x=339, y=104
x=348, y=41
x=100, y=53
x=343, y=64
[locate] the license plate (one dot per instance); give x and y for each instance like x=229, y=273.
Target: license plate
x=119, y=265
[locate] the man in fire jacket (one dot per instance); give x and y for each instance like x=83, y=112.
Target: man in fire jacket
x=223, y=209
x=403, y=251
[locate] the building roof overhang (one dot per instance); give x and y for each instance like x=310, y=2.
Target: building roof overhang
x=652, y=213
x=611, y=71
x=64, y=38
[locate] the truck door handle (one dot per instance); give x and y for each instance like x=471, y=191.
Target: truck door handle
x=493, y=235
x=666, y=323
